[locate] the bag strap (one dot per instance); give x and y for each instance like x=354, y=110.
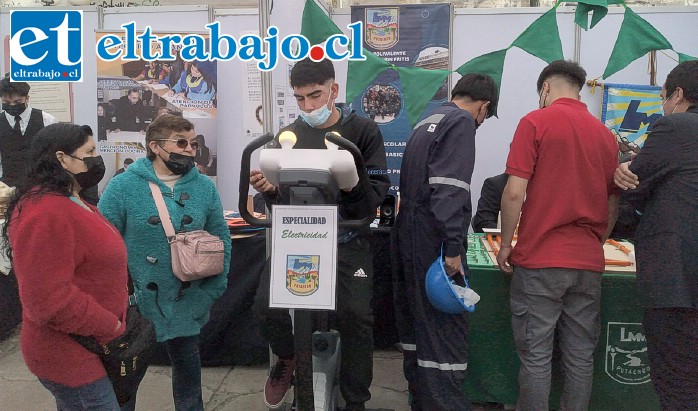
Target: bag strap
x=162, y=211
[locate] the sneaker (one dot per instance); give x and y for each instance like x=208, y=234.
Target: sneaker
x=278, y=383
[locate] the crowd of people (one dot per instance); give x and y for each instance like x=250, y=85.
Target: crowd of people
x=555, y=265
x=382, y=103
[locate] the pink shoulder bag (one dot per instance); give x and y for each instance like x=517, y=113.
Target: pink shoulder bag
x=195, y=254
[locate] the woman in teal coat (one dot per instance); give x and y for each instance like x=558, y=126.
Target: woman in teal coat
x=178, y=309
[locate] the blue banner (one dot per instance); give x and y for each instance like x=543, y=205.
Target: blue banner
x=629, y=110
x=405, y=36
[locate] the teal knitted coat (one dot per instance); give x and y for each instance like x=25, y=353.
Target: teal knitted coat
x=176, y=309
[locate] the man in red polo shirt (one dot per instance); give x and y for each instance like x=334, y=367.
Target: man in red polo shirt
x=561, y=161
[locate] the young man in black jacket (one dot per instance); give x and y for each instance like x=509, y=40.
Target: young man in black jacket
x=315, y=90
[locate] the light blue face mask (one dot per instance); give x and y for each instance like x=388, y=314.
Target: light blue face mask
x=318, y=116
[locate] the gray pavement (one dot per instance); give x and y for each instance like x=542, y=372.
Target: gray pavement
x=224, y=388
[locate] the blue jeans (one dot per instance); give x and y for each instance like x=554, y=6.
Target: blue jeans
x=186, y=373
x=98, y=395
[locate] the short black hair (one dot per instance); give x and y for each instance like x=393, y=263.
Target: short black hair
x=134, y=90
x=478, y=87
x=685, y=75
x=8, y=88
x=128, y=160
x=572, y=72
x=308, y=72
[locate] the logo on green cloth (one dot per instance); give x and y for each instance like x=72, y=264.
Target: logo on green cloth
x=626, y=353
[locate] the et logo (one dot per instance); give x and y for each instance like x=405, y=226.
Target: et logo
x=46, y=45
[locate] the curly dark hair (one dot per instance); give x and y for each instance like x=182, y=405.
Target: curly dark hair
x=570, y=71
x=8, y=88
x=308, y=72
x=478, y=87
x=685, y=75
x=46, y=174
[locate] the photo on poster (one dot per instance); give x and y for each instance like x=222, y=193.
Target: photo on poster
x=132, y=93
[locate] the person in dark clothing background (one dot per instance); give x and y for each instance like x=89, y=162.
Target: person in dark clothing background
x=18, y=125
x=131, y=113
x=203, y=158
x=127, y=162
x=315, y=90
x=104, y=123
x=489, y=203
x=435, y=212
x=662, y=183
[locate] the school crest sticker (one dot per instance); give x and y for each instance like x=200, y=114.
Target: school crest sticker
x=626, y=353
x=302, y=274
x=382, y=27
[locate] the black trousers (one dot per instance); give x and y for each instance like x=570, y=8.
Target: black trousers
x=353, y=319
x=672, y=337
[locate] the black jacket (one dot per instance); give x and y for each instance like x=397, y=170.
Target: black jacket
x=131, y=117
x=367, y=137
x=667, y=197
x=490, y=203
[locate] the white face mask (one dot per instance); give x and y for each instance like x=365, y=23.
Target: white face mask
x=320, y=115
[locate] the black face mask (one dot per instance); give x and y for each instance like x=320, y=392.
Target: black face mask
x=179, y=164
x=93, y=175
x=15, y=109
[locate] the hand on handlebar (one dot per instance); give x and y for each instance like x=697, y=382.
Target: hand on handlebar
x=260, y=183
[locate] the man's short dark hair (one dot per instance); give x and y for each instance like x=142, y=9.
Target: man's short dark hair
x=128, y=161
x=134, y=90
x=8, y=88
x=685, y=75
x=570, y=71
x=478, y=87
x=308, y=72
x=162, y=127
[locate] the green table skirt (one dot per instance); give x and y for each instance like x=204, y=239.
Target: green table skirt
x=621, y=369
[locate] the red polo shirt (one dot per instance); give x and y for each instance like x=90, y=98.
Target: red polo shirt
x=569, y=157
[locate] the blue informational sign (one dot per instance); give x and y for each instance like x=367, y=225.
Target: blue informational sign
x=405, y=36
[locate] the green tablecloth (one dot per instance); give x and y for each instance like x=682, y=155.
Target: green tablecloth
x=621, y=369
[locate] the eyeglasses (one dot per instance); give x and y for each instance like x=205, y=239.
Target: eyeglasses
x=182, y=143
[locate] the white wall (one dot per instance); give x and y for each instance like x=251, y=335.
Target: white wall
x=475, y=32
x=231, y=132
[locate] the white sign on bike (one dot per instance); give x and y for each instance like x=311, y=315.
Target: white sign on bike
x=303, y=257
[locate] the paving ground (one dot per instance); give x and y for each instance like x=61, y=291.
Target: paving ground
x=224, y=388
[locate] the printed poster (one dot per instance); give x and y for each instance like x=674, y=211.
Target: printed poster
x=629, y=111
x=251, y=82
x=303, y=257
x=131, y=94
x=406, y=36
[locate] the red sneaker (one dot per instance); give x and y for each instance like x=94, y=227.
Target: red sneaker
x=278, y=383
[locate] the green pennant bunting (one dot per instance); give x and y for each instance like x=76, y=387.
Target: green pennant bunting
x=491, y=64
x=316, y=26
x=362, y=73
x=581, y=15
x=542, y=38
x=685, y=57
x=418, y=88
x=636, y=38
x=598, y=8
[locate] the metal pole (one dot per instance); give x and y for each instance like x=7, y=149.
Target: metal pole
x=267, y=123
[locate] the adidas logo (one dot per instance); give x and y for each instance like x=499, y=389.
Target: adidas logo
x=360, y=273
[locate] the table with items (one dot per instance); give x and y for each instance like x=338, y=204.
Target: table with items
x=621, y=369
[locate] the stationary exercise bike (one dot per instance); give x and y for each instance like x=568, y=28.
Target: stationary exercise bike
x=310, y=177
